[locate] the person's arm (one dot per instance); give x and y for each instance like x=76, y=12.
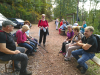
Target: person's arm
x=7, y=51
x=86, y=46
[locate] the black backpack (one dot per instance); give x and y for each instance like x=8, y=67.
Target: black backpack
x=98, y=41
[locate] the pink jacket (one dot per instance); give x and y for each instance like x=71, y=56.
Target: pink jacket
x=21, y=37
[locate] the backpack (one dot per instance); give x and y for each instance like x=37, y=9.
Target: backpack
x=45, y=20
x=98, y=41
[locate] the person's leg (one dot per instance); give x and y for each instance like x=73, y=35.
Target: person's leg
x=22, y=50
x=63, y=47
x=76, y=53
x=68, y=52
x=70, y=49
x=17, y=57
x=44, y=37
x=33, y=45
x=26, y=45
x=41, y=35
x=85, y=56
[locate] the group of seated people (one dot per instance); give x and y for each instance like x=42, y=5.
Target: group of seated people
x=25, y=40
x=9, y=51
x=84, y=45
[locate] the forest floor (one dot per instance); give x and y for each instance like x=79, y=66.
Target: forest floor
x=51, y=63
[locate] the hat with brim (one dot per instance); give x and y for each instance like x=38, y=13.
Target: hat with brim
x=6, y=23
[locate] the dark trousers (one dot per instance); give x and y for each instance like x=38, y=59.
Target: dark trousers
x=42, y=34
x=35, y=41
x=22, y=57
x=63, y=46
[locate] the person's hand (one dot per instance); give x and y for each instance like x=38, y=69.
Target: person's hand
x=28, y=42
x=46, y=27
x=70, y=45
x=85, y=47
x=41, y=27
x=16, y=52
x=32, y=38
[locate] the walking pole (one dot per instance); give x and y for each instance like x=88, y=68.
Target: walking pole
x=40, y=45
x=40, y=52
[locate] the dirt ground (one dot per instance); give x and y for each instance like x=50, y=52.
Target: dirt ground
x=51, y=63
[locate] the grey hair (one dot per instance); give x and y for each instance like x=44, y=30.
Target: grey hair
x=91, y=28
x=69, y=25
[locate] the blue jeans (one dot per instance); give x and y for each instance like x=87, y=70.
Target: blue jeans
x=30, y=47
x=85, y=56
x=22, y=57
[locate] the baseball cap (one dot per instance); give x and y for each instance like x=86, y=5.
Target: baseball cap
x=7, y=22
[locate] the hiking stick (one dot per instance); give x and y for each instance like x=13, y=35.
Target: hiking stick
x=40, y=52
x=40, y=45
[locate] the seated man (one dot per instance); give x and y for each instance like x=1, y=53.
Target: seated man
x=89, y=47
x=62, y=27
x=8, y=49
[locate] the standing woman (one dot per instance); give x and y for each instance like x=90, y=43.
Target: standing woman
x=43, y=25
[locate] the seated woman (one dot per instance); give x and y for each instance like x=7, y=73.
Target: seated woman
x=30, y=38
x=72, y=46
x=62, y=27
x=22, y=40
x=70, y=35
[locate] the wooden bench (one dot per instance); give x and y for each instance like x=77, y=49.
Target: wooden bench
x=6, y=62
x=62, y=32
x=96, y=60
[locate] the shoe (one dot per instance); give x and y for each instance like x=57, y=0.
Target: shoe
x=39, y=44
x=31, y=54
x=44, y=45
x=83, y=70
x=60, y=52
x=67, y=59
x=64, y=53
x=34, y=50
x=26, y=73
x=79, y=67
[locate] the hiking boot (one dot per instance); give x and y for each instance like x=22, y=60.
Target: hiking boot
x=83, y=70
x=79, y=67
x=67, y=59
x=26, y=73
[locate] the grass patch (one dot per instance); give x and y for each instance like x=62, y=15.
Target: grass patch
x=93, y=68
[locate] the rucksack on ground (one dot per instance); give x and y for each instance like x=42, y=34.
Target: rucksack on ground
x=98, y=41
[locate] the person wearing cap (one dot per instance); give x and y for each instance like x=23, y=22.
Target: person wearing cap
x=23, y=42
x=62, y=27
x=9, y=51
x=43, y=25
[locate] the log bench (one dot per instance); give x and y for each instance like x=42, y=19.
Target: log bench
x=62, y=32
x=96, y=60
